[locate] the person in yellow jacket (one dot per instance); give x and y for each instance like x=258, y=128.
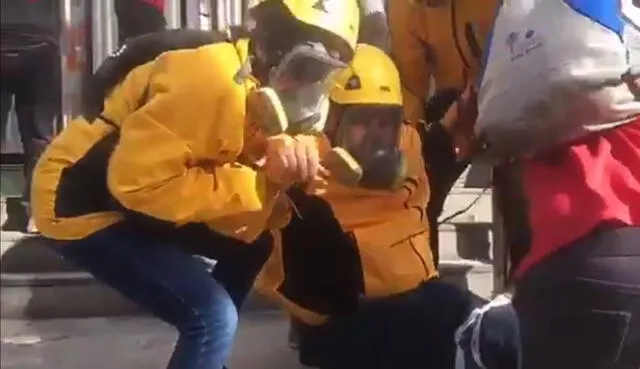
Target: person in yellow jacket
x=438, y=48
x=355, y=268
x=175, y=160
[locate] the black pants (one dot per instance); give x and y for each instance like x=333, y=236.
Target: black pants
x=414, y=330
x=30, y=75
x=443, y=169
x=580, y=309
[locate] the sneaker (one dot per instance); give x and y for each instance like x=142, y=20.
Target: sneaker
x=294, y=339
x=31, y=227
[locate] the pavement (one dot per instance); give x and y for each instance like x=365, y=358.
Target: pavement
x=133, y=343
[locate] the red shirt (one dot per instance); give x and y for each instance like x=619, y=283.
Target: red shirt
x=575, y=188
x=158, y=4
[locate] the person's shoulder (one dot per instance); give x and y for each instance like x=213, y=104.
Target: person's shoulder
x=214, y=66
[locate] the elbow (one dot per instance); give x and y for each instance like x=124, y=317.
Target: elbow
x=143, y=185
x=132, y=196
x=127, y=195
x=148, y=201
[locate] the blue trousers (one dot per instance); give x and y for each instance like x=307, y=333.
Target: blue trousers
x=580, y=307
x=162, y=276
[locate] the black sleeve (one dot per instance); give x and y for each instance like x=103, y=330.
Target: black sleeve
x=443, y=169
x=135, y=52
x=438, y=152
x=442, y=165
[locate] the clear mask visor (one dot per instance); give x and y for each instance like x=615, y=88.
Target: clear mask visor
x=302, y=81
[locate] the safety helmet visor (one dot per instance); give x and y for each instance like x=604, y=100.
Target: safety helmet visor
x=304, y=64
x=302, y=80
x=368, y=131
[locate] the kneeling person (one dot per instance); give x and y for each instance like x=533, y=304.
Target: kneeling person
x=354, y=266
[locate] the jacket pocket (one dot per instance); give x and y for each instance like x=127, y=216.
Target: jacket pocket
x=395, y=256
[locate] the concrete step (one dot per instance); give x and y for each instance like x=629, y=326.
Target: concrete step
x=78, y=294
x=11, y=180
x=59, y=295
x=466, y=241
x=22, y=253
x=37, y=283
x=72, y=295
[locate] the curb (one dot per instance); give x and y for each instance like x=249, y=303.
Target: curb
x=74, y=295
x=79, y=295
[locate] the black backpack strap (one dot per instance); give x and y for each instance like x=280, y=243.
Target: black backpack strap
x=135, y=52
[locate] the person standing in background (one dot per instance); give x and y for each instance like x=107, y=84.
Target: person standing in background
x=374, y=29
x=438, y=48
x=138, y=17
x=30, y=73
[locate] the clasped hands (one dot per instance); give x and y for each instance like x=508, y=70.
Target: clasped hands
x=292, y=159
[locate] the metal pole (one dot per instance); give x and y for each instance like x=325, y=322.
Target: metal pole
x=213, y=14
x=73, y=56
x=192, y=12
x=205, y=15
x=65, y=43
x=172, y=14
x=104, y=31
x=235, y=12
x=223, y=12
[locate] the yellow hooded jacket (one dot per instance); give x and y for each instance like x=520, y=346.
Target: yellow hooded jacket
x=173, y=159
x=439, y=39
x=351, y=243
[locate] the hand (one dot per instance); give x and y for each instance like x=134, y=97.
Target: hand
x=633, y=81
x=290, y=160
x=460, y=120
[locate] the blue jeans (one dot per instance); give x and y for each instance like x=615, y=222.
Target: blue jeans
x=580, y=307
x=162, y=276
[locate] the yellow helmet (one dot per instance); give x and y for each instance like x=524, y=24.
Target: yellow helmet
x=371, y=78
x=340, y=18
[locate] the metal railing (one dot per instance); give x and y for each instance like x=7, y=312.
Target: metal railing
x=90, y=33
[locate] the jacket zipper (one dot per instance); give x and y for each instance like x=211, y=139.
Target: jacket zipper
x=472, y=40
x=456, y=38
x=422, y=261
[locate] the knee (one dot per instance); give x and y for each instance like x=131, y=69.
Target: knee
x=453, y=302
x=261, y=249
x=214, y=321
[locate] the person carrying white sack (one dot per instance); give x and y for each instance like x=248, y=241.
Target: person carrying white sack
x=560, y=93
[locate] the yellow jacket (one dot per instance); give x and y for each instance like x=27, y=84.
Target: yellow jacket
x=347, y=244
x=173, y=159
x=443, y=41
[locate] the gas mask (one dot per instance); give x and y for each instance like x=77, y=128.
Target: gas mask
x=294, y=99
x=370, y=134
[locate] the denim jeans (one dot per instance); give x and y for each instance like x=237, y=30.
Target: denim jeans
x=412, y=330
x=580, y=308
x=161, y=276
